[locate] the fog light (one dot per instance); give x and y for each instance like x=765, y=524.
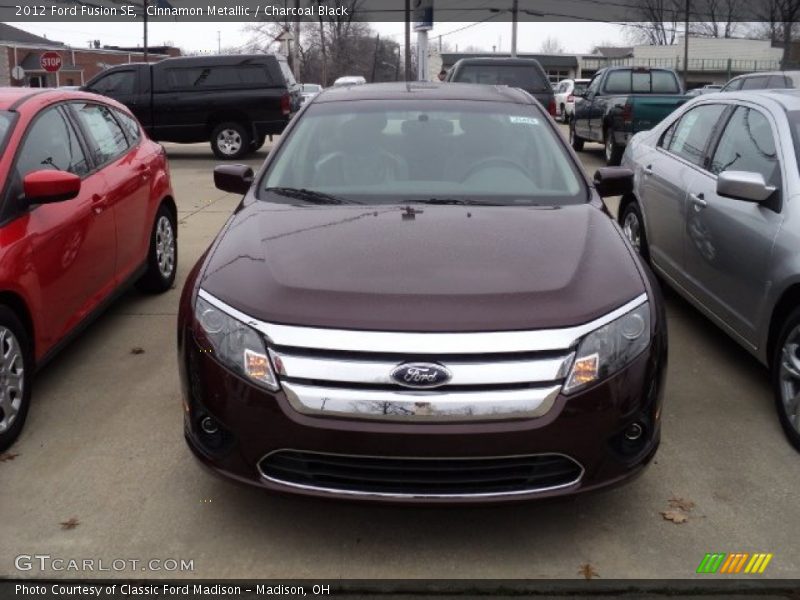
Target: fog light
x=209, y=426
x=633, y=432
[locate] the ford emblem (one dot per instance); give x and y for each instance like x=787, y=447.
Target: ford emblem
x=421, y=375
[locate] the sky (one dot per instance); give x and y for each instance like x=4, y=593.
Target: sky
x=573, y=37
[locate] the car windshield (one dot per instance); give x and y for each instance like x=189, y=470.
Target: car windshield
x=310, y=87
x=6, y=118
x=580, y=88
x=447, y=152
x=522, y=76
x=794, y=119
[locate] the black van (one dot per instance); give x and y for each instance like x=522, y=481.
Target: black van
x=233, y=101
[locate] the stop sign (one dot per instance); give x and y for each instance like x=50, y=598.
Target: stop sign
x=50, y=61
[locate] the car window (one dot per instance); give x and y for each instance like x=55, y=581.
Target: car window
x=747, y=144
x=117, y=83
x=733, y=85
x=390, y=152
x=526, y=77
x=777, y=82
x=51, y=143
x=594, y=84
x=663, y=82
x=129, y=125
x=103, y=130
x=6, y=119
x=693, y=131
x=579, y=88
x=755, y=83
x=213, y=77
x=619, y=82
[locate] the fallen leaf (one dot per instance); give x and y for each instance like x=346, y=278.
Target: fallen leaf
x=6, y=456
x=137, y=350
x=71, y=523
x=681, y=503
x=676, y=516
x=588, y=571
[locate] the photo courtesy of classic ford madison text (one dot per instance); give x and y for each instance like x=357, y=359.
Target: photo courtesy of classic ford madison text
x=415, y=297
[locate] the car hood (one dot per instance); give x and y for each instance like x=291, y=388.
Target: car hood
x=433, y=268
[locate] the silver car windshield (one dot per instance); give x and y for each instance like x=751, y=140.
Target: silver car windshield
x=382, y=152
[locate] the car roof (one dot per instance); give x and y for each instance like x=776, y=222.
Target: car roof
x=482, y=60
x=424, y=90
x=789, y=99
x=24, y=99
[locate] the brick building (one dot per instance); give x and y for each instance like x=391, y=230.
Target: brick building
x=19, y=48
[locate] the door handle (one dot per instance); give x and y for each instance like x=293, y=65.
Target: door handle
x=648, y=170
x=98, y=203
x=699, y=201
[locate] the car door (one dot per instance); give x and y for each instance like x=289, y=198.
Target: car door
x=73, y=242
x=127, y=172
x=665, y=177
x=583, y=107
x=729, y=242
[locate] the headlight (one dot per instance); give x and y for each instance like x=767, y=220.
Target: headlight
x=606, y=350
x=236, y=345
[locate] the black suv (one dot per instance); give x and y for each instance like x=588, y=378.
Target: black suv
x=235, y=102
x=524, y=73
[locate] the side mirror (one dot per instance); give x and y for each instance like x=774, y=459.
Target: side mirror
x=46, y=186
x=744, y=185
x=613, y=181
x=235, y=179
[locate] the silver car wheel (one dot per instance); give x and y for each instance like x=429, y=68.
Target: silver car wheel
x=633, y=230
x=165, y=247
x=12, y=379
x=229, y=141
x=790, y=377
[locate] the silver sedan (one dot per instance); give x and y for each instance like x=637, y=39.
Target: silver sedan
x=716, y=212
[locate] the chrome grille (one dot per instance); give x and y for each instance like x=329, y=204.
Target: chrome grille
x=437, y=477
x=494, y=375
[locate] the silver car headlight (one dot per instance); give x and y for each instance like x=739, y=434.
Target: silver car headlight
x=609, y=348
x=235, y=344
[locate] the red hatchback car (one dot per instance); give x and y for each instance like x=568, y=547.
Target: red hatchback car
x=86, y=209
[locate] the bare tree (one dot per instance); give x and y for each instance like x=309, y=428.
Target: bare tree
x=722, y=16
x=657, y=22
x=778, y=23
x=551, y=45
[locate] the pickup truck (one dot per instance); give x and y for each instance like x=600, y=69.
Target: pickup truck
x=234, y=102
x=621, y=101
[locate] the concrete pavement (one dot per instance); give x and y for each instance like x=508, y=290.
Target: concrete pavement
x=104, y=444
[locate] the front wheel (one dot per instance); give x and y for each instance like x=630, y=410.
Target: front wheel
x=16, y=370
x=613, y=150
x=786, y=378
x=230, y=141
x=162, y=258
x=630, y=219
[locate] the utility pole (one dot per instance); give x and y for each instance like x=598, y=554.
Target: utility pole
x=686, y=47
x=144, y=5
x=219, y=42
x=514, y=11
x=296, y=46
x=408, y=40
x=375, y=58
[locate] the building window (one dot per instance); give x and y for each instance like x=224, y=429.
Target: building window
x=555, y=75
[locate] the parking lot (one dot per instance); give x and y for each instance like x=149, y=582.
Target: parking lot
x=103, y=449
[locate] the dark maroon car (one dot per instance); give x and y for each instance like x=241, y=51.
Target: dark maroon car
x=421, y=298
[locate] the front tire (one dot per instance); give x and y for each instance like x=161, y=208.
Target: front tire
x=574, y=140
x=786, y=378
x=230, y=140
x=16, y=370
x=632, y=223
x=162, y=258
x=614, y=151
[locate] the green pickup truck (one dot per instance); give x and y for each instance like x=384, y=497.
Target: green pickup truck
x=621, y=101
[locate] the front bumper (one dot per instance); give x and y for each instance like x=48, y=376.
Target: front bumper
x=587, y=427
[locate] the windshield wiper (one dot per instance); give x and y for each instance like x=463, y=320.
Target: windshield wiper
x=311, y=196
x=456, y=201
